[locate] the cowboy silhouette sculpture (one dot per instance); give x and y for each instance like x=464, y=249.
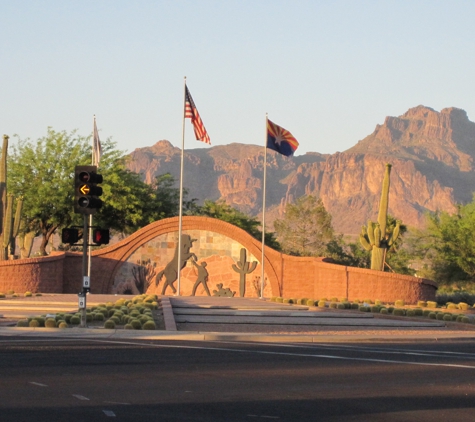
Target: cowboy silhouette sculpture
x=171, y=270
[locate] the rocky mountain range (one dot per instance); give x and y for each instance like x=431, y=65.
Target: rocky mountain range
x=432, y=154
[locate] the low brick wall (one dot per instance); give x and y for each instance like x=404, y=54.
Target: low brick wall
x=289, y=276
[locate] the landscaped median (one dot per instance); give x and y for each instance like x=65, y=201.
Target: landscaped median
x=137, y=313
x=450, y=312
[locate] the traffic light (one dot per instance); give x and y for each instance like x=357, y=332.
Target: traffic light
x=100, y=236
x=86, y=191
x=70, y=236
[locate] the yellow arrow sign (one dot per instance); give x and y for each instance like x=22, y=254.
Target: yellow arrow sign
x=84, y=189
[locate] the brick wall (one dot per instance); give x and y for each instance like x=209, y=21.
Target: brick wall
x=288, y=276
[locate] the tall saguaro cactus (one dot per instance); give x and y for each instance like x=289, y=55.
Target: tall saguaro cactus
x=243, y=268
x=374, y=237
x=9, y=225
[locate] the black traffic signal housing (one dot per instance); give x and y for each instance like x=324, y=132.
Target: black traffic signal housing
x=70, y=236
x=100, y=236
x=86, y=191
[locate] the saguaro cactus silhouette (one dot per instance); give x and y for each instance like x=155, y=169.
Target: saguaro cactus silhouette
x=9, y=225
x=243, y=268
x=374, y=237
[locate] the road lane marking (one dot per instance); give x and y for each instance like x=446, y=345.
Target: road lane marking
x=109, y=413
x=38, y=384
x=266, y=352
x=78, y=396
x=116, y=402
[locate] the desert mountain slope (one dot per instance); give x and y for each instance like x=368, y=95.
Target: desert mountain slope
x=432, y=154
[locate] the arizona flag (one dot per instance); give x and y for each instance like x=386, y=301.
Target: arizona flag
x=191, y=112
x=280, y=139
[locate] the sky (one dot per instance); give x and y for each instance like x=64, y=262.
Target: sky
x=327, y=71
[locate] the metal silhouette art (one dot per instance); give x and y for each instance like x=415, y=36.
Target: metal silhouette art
x=171, y=270
x=202, y=277
x=243, y=267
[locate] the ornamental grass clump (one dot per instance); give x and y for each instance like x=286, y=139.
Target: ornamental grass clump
x=431, y=304
x=399, y=303
x=322, y=303
x=333, y=305
x=279, y=299
x=463, y=306
x=28, y=294
x=452, y=306
x=421, y=303
x=310, y=302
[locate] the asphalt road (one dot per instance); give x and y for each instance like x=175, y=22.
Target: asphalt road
x=131, y=380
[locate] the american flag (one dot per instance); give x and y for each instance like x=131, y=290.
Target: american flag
x=192, y=113
x=96, y=146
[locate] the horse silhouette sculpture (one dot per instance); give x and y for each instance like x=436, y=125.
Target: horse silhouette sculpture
x=171, y=270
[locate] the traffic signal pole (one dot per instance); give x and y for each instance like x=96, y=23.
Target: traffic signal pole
x=85, y=268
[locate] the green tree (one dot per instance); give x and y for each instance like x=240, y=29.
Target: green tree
x=306, y=228
x=43, y=173
x=225, y=212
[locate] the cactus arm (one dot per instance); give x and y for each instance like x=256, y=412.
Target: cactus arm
x=365, y=243
x=395, y=234
x=371, y=232
x=17, y=220
x=384, y=202
x=7, y=226
x=377, y=236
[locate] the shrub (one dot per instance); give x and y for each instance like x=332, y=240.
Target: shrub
x=28, y=294
x=410, y=313
x=67, y=318
x=75, y=320
x=433, y=315
x=41, y=321
x=447, y=317
x=272, y=299
x=375, y=309
x=377, y=302
x=398, y=312
x=452, y=306
x=390, y=309
x=324, y=298
x=465, y=319
x=14, y=295
x=322, y=303
x=34, y=323
x=355, y=305
x=426, y=312
x=419, y=312
x=128, y=327
x=431, y=304
x=364, y=308
x=50, y=323
x=399, y=302
x=144, y=318
x=368, y=301
x=109, y=324
x=463, y=306
x=333, y=299
x=2, y=295
x=279, y=299
x=136, y=324
x=333, y=305
x=286, y=301
x=421, y=303
x=89, y=317
x=98, y=316
x=38, y=294
x=22, y=323
x=310, y=302
x=343, y=299
x=341, y=306
x=440, y=316
x=383, y=311
x=116, y=320
x=10, y=292
x=149, y=325
x=63, y=324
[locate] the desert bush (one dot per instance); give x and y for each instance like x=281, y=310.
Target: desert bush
x=399, y=302
x=426, y=312
x=10, y=292
x=28, y=294
x=62, y=324
x=390, y=309
x=50, y=323
x=333, y=299
x=343, y=299
x=98, y=316
x=433, y=315
x=34, y=323
x=38, y=294
x=340, y=306
x=75, y=320
x=375, y=309
x=149, y=325
x=128, y=327
x=463, y=306
x=310, y=302
x=410, y=313
x=452, y=306
x=447, y=317
x=419, y=312
x=431, y=304
x=279, y=299
x=440, y=316
x=286, y=301
x=322, y=303
x=333, y=305
x=23, y=323
x=398, y=312
x=364, y=308
x=377, y=302
x=2, y=295
x=109, y=324
x=355, y=305
x=136, y=324
x=15, y=295
x=384, y=311
x=421, y=303
x=368, y=301
x=272, y=299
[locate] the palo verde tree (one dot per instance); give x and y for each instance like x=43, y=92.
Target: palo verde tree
x=306, y=228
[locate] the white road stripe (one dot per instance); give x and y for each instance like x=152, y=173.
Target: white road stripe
x=78, y=396
x=38, y=384
x=116, y=402
x=109, y=413
x=266, y=352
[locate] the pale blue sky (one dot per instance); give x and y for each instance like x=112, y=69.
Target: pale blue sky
x=328, y=71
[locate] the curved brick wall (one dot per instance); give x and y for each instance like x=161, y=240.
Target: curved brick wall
x=289, y=276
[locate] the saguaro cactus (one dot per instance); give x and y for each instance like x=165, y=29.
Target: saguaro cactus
x=374, y=237
x=243, y=268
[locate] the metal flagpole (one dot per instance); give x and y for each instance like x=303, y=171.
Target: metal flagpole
x=180, y=212
x=264, y=213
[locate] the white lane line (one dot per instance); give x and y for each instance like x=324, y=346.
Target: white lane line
x=38, y=384
x=109, y=413
x=270, y=417
x=266, y=352
x=78, y=396
x=116, y=402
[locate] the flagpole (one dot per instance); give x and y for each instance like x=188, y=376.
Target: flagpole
x=180, y=209
x=264, y=212
x=89, y=247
